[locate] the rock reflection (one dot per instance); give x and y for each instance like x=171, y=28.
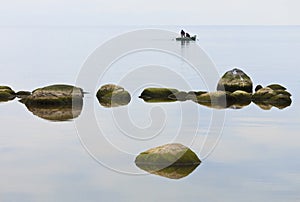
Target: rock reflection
x=56, y=112
x=173, y=161
x=172, y=172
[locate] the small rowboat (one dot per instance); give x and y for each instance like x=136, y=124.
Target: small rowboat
x=193, y=38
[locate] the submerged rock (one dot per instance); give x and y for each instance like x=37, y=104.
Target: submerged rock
x=272, y=95
x=234, y=80
x=160, y=93
x=111, y=95
x=6, y=94
x=218, y=99
x=171, y=160
x=54, y=95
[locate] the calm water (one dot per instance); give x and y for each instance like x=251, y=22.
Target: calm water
x=257, y=155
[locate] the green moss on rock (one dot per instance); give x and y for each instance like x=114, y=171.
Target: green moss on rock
x=55, y=95
x=161, y=93
x=233, y=80
x=111, y=95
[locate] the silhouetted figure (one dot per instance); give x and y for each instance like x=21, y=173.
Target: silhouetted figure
x=182, y=33
x=187, y=35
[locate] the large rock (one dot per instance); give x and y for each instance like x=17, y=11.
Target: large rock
x=169, y=154
x=111, y=95
x=158, y=93
x=6, y=94
x=171, y=160
x=234, y=80
x=55, y=95
x=273, y=95
x=218, y=99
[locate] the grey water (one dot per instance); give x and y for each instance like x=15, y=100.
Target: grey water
x=250, y=155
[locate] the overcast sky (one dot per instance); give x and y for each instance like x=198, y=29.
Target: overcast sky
x=154, y=12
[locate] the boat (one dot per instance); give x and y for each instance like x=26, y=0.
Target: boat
x=193, y=38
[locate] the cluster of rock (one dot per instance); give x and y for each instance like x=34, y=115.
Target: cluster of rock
x=234, y=90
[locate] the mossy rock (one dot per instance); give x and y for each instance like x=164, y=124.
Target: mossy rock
x=258, y=87
x=161, y=93
x=276, y=87
x=111, y=95
x=167, y=155
x=6, y=94
x=233, y=80
x=242, y=98
x=171, y=172
x=218, y=99
x=267, y=97
x=54, y=95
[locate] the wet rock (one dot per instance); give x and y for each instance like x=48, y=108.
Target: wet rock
x=218, y=99
x=258, y=87
x=54, y=95
x=167, y=155
x=111, y=95
x=267, y=97
x=23, y=94
x=234, y=80
x=160, y=93
x=6, y=94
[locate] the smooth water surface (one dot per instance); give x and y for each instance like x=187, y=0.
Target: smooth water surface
x=257, y=155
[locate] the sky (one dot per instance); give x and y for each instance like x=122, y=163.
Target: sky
x=142, y=12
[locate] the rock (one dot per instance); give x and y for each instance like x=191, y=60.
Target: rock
x=56, y=113
x=179, y=96
x=23, y=94
x=218, y=99
x=192, y=95
x=6, y=94
x=167, y=155
x=258, y=87
x=54, y=95
x=242, y=97
x=160, y=93
x=172, y=172
x=234, y=80
x=267, y=97
x=276, y=87
x=111, y=95
x=159, y=100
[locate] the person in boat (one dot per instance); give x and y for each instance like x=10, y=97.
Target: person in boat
x=182, y=33
x=187, y=35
